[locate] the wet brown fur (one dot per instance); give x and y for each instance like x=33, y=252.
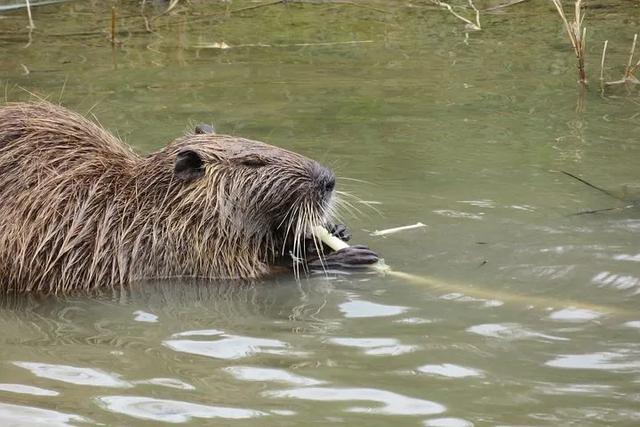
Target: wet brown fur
x=81, y=210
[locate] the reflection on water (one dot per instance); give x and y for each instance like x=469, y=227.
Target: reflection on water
x=18, y=415
x=510, y=331
x=170, y=411
x=393, y=403
x=606, y=361
x=450, y=370
x=447, y=422
x=251, y=373
x=74, y=375
x=357, y=308
x=575, y=314
x=532, y=317
x=376, y=346
x=228, y=346
x=27, y=389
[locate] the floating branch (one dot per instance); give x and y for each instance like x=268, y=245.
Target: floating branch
x=577, y=35
x=469, y=24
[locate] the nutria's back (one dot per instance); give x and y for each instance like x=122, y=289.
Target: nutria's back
x=81, y=209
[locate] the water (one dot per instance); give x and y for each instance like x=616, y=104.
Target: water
x=523, y=315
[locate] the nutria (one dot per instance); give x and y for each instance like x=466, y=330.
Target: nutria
x=81, y=210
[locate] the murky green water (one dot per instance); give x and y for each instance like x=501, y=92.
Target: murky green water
x=534, y=320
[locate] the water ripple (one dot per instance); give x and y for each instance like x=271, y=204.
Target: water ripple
x=632, y=324
x=357, y=308
x=143, y=316
x=575, y=315
x=450, y=370
x=376, y=346
x=228, y=346
x=509, y=331
x=167, y=382
x=18, y=415
x=460, y=297
x=74, y=375
x=447, y=422
x=581, y=389
x=170, y=411
x=27, y=389
x=251, y=373
x=393, y=403
x=605, y=361
x=457, y=214
x=618, y=281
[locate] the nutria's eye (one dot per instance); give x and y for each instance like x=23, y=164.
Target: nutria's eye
x=253, y=161
x=189, y=165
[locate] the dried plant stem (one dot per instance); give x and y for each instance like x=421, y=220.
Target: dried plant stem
x=114, y=17
x=628, y=72
x=31, y=24
x=470, y=24
x=630, y=69
x=577, y=35
x=173, y=4
x=604, y=54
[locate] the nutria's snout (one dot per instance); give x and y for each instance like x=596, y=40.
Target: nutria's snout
x=324, y=180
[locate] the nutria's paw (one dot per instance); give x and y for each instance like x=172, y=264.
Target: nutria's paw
x=352, y=257
x=339, y=230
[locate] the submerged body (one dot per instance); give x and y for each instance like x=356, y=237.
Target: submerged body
x=82, y=210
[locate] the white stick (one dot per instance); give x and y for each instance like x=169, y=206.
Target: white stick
x=336, y=244
x=472, y=290
x=396, y=229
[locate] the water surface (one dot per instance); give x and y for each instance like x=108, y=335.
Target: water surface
x=528, y=316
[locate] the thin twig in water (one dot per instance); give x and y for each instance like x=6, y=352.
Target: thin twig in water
x=595, y=187
x=31, y=25
x=172, y=5
x=596, y=211
x=113, y=25
x=397, y=229
x=469, y=24
x=627, y=71
x=630, y=69
x=604, y=53
x=577, y=35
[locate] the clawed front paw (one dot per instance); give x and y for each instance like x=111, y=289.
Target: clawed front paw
x=350, y=258
x=340, y=231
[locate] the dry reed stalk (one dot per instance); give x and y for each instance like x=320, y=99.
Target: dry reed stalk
x=469, y=24
x=31, y=24
x=172, y=4
x=113, y=25
x=630, y=69
x=604, y=53
x=577, y=35
x=629, y=72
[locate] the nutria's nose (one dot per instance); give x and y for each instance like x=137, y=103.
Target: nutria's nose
x=324, y=179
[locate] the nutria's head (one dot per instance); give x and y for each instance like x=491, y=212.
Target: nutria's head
x=243, y=198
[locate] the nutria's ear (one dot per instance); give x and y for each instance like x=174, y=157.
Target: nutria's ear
x=189, y=165
x=204, y=129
